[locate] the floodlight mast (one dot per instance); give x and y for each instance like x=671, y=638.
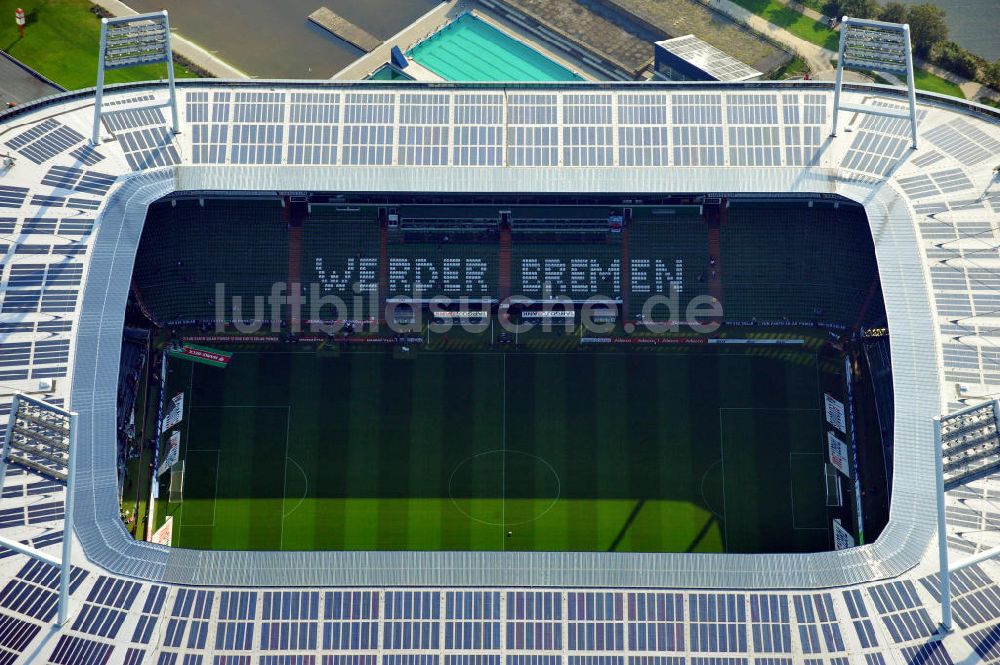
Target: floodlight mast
x=875, y=46
x=65, y=562
x=946, y=568
x=143, y=39
x=944, y=578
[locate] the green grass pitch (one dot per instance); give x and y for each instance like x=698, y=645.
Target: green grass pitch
x=698, y=450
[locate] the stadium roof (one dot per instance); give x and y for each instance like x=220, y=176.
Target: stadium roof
x=934, y=218
x=718, y=64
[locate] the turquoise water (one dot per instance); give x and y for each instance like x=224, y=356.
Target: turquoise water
x=468, y=49
x=387, y=73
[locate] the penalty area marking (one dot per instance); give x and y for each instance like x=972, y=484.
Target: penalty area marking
x=791, y=493
x=215, y=490
x=288, y=420
x=722, y=452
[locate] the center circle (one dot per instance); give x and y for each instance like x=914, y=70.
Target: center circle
x=526, y=485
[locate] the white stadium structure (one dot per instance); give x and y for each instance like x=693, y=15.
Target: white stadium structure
x=935, y=219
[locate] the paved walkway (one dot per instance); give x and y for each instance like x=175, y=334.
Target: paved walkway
x=196, y=55
x=972, y=90
x=421, y=73
x=817, y=58
x=808, y=11
x=19, y=86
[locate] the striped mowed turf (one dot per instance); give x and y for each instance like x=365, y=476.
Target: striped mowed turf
x=582, y=451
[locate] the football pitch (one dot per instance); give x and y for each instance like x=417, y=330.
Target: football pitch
x=693, y=450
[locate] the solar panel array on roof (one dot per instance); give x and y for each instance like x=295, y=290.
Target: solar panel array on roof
x=15, y=636
x=71, y=650
x=133, y=118
x=150, y=611
x=89, y=182
x=986, y=643
x=148, y=148
x=51, y=201
x=86, y=154
x=45, y=140
x=975, y=596
x=519, y=129
x=719, y=65
x=12, y=197
x=966, y=143
x=129, y=100
x=33, y=591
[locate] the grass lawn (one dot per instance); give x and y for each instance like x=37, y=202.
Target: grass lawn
x=584, y=451
x=61, y=42
x=933, y=83
x=926, y=81
x=794, y=22
x=818, y=5
x=794, y=69
x=989, y=102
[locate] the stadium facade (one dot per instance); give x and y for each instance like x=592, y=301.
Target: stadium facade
x=932, y=208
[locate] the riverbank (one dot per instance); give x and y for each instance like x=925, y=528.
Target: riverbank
x=268, y=39
x=202, y=61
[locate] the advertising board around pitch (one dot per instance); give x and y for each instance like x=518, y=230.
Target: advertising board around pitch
x=835, y=414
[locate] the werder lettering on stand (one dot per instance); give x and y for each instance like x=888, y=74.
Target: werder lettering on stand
x=452, y=276
x=360, y=272
x=471, y=276
x=359, y=290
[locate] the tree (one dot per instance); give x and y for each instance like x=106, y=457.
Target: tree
x=956, y=59
x=860, y=8
x=927, y=28
x=853, y=8
x=894, y=12
x=832, y=9
x=991, y=74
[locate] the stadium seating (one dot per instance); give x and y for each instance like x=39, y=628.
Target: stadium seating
x=453, y=267
x=877, y=353
x=571, y=267
x=796, y=263
x=130, y=366
x=669, y=234
x=340, y=248
x=778, y=260
x=186, y=250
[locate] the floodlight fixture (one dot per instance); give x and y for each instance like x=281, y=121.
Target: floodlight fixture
x=876, y=46
x=42, y=437
x=967, y=434
x=132, y=41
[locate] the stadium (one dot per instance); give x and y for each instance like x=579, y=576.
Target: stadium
x=541, y=465
x=426, y=456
